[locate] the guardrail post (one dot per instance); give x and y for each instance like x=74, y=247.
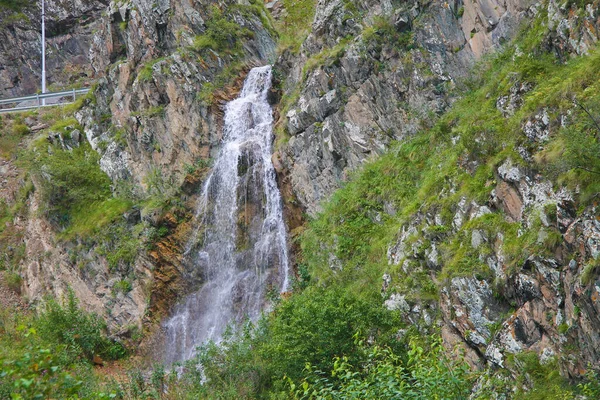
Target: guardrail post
x=38, y=99
x=73, y=95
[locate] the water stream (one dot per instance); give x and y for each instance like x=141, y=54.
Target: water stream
x=239, y=243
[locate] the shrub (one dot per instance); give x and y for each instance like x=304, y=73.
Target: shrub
x=13, y=281
x=123, y=286
x=37, y=374
x=426, y=374
x=20, y=129
x=81, y=333
x=319, y=324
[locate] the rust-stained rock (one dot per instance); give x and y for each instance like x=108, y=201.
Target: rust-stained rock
x=98, y=361
x=509, y=200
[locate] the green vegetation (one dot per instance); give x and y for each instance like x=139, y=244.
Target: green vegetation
x=328, y=56
x=225, y=79
x=383, y=33
x=332, y=337
x=426, y=374
x=69, y=181
x=14, y=5
x=147, y=71
x=222, y=34
x=12, y=132
x=544, y=379
x=81, y=333
x=427, y=173
x=49, y=355
x=295, y=26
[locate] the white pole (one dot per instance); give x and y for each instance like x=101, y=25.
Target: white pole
x=43, y=50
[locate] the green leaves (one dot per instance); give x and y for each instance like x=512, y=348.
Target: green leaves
x=426, y=374
x=68, y=180
x=37, y=374
x=81, y=333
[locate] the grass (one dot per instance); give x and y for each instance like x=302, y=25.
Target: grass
x=12, y=132
x=428, y=174
x=590, y=271
x=146, y=73
x=88, y=219
x=225, y=79
x=295, y=26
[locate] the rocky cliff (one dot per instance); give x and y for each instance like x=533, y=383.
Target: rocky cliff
x=70, y=27
x=370, y=73
x=162, y=71
x=441, y=156
x=496, y=245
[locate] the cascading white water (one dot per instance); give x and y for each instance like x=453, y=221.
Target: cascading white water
x=242, y=249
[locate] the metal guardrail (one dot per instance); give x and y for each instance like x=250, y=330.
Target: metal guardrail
x=40, y=100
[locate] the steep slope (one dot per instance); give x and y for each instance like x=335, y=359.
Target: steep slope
x=370, y=73
x=154, y=118
x=486, y=225
x=438, y=163
x=70, y=29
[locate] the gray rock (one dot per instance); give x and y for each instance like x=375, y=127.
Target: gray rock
x=397, y=302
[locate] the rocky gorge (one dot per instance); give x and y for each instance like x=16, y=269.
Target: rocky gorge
x=438, y=170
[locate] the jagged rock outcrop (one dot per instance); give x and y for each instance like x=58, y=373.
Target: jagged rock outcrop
x=156, y=122
x=372, y=72
x=388, y=81
x=70, y=27
x=350, y=94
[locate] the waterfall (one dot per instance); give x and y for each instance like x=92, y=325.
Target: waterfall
x=239, y=243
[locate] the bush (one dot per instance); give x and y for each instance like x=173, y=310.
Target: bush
x=37, y=374
x=319, y=324
x=427, y=374
x=81, y=333
x=13, y=281
x=20, y=129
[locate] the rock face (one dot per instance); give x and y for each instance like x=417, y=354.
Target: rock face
x=368, y=74
x=70, y=28
x=372, y=72
x=154, y=116
x=49, y=268
x=395, y=73
x=158, y=124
